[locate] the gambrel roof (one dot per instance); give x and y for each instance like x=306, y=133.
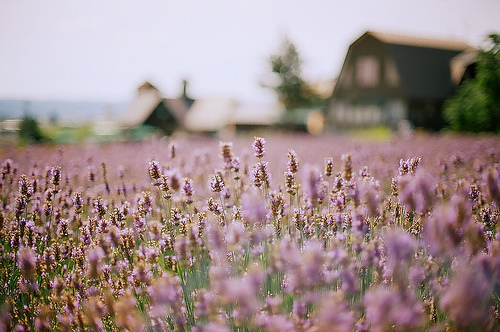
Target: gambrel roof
x=422, y=64
x=416, y=41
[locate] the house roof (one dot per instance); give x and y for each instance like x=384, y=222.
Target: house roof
x=209, y=115
x=459, y=64
x=256, y=115
x=417, y=41
x=142, y=106
x=147, y=100
x=147, y=85
x=178, y=106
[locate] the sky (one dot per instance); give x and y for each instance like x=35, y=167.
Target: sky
x=103, y=50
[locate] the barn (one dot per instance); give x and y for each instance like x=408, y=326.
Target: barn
x=387, y=78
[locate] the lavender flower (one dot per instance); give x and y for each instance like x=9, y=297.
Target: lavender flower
x=172, y=148
x=187, y=190
x=226, y=152
x=213, y=327
x=235, y=165
x=445, y=230
x=409, y=166
x=7, y=166
x=388, y=306
x=277, y=204
x=26, y=262
x=205, y=303
x=338, y=182
x=241, y=294
x=162, y=183
x=333, y=314
x=25, y=187
x=293, y=162
x=467, y=299
x=217, y=182
x=416, y=193
x=492, y=181
x=78, y=203
x=254, y=207
x=90, y=174
x=400, y=246
x=276, y=323
x=175, y=179
x=338, y=199
x=214, y=206
x=328, y=167
x=56, y=176
x=347, y=160
x=260, y=175
x=290, y=182
x=258, y=147
x=370, y=196
x=100, y=207
x=154, y=170
x=94, y=258
x=126, y=313
x=315, y=188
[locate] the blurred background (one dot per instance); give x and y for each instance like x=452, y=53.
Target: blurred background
x=94, y=69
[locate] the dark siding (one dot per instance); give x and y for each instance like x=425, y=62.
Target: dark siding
x=424, y=72
x=426, y=114
x=163, y=119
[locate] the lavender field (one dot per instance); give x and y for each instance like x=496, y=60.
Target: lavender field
x=275, y=233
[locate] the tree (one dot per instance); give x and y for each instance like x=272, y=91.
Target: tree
x=293, y=91
x=475, y=106
x=30, y=131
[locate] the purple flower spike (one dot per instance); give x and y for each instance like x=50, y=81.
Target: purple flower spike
x=258, y=146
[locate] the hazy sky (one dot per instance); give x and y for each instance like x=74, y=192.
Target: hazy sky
x=102, y=50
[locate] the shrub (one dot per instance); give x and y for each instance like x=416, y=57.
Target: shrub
x=30, y=131
x=475, y=107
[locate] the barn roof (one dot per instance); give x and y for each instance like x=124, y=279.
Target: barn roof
x=417, y=41
x=423, y=64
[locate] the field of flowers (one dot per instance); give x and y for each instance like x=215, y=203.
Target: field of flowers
x=282, y=233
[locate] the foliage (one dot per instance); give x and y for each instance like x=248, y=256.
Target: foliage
x=475, y=107
x=30, y=131
x=293, y=91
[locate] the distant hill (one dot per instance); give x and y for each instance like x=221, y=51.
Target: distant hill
x=64, y=112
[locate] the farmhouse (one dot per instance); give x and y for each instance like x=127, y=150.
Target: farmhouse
x=152, y=109
x=387, y=78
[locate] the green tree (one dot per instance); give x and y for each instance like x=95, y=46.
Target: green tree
x=30, y=131
x=475, y=106
x=293, y=91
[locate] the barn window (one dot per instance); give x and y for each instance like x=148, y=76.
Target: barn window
x=391, y=73
x=367, y=71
